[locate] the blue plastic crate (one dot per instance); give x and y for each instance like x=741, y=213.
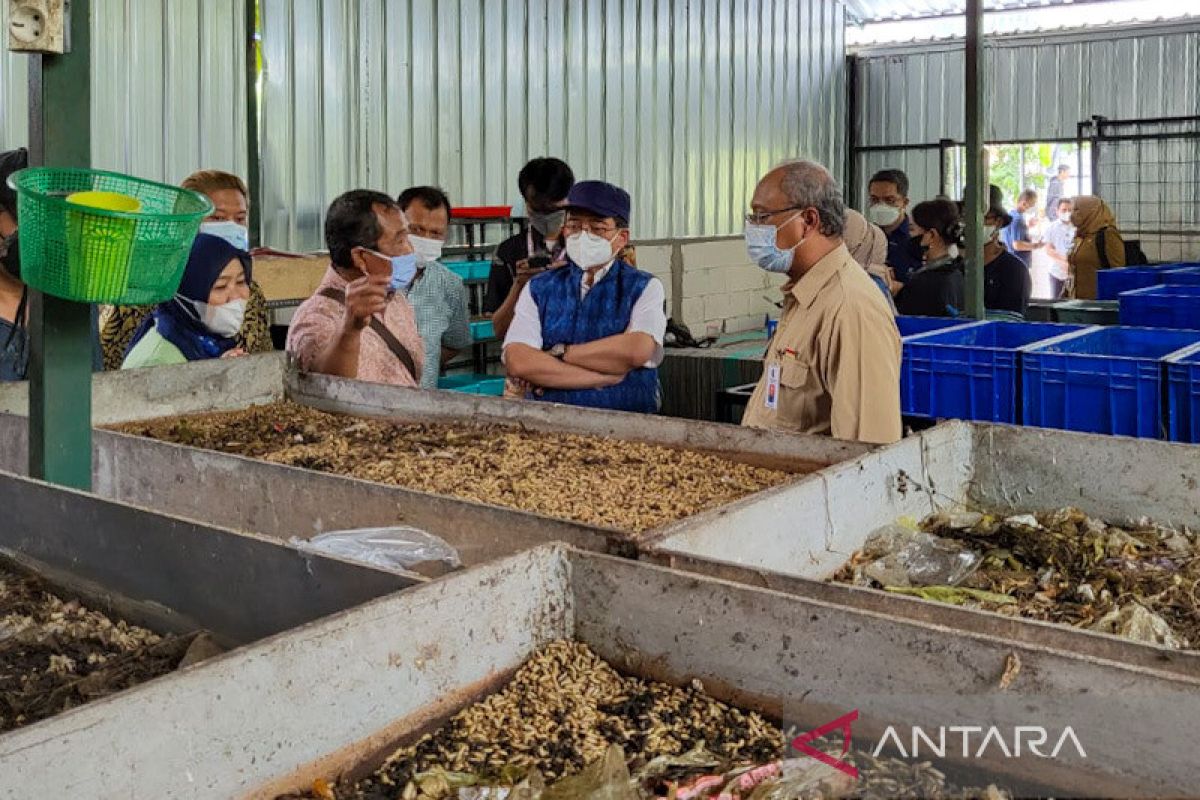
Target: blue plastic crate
x=1110, y=283
x=1183, y=396
x=1108, y=380
x=1187, y=276
x=1162, y=307
x=971, y=372
x=913, y=326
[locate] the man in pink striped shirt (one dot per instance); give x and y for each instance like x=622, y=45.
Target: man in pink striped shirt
x=358, y=324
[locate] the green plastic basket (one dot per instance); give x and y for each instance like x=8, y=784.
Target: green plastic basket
x=98, y=256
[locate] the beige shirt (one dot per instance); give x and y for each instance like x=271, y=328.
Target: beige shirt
x=319, y=319
x=837, y=356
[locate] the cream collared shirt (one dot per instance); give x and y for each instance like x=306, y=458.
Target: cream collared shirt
x=837, y=353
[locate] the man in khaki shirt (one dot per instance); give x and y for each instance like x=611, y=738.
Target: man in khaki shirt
x=833, y=365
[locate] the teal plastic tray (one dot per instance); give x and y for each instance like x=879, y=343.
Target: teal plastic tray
x=470, y=270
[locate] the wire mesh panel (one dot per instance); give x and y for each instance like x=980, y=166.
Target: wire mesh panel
x=1147, y=171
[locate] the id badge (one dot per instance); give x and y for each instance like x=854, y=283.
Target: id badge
x=772, y=398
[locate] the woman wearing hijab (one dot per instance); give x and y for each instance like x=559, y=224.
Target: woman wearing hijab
x=204, y=318
x=1098, y=245
x=868, y=245
x=231, y=210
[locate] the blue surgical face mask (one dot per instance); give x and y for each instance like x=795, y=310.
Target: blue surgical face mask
x=760, y=244
x=404, y=269
x=232, y=232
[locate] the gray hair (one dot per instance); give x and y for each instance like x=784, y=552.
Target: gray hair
x=807, y=184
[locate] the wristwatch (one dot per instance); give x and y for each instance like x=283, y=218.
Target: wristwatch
x=559, y=351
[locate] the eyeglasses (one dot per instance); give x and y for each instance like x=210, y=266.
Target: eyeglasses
x=761, y=217
x=596, y=228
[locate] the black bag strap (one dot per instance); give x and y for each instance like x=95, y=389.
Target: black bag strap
x=1101, y=250
x=395, y=345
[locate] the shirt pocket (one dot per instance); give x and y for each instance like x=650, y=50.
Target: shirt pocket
x=793, y=373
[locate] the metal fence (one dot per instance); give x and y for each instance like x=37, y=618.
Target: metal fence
x=1148, y=171
x=909, y=98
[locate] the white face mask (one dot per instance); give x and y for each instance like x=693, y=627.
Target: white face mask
x=883, y=215
x=588, y=250
x=427, y=250
x=224, y=320
x=237, y=235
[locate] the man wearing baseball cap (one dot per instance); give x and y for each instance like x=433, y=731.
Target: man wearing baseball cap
x=590, y=333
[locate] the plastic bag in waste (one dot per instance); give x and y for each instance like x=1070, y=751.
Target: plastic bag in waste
x=399, y=547
x=913, y=558
x=1135, y=621
x=604, y=779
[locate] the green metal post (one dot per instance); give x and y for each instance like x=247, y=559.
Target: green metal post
x=60, y=361
x=977, y=180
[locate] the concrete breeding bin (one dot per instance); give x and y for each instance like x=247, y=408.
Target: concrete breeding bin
x=123, y=395
x=987, y=467
x=335, y=697
x=173, y=577
x=284, y=502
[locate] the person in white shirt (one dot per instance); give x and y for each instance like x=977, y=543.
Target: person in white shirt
x=1059, y=237
x=590, y=333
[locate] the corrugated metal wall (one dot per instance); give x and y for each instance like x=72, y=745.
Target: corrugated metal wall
x=683, y=103
x=1041, y=87
x=167, y=87
x=14, y=91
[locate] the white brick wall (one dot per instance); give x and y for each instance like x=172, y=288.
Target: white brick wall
x=722, y=287
x=656, y=259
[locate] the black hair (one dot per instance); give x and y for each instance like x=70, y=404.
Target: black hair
x=431, y=197
x=351, y=222
x=1063, y=168
x=1028, y=194
x=941, y=216
x=1001, y=215
x=546, y=179
x=895, y=176
x=10, y=162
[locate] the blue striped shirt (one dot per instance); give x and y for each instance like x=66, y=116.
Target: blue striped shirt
x=439, y=301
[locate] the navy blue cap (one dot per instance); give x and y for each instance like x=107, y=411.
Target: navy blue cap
x=599, y=198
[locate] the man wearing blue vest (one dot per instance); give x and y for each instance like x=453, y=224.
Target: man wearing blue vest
x=590, y=333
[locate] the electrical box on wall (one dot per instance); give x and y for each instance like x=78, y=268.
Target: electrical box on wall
x=39, y=26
